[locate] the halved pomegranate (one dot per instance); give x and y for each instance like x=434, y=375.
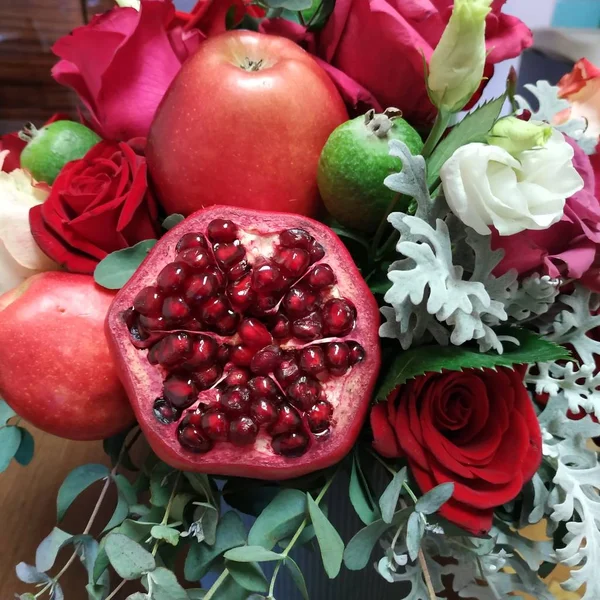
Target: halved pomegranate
x=248, y=344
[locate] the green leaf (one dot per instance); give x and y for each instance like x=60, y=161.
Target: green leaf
x=10, y=440
x=389, y=499
x=206, y=519
x=24, y=454
x=330, y=542
x=196, y=594
x=179, y=504
x=473, y=128
x=428, y=359
x=29, y=574
x=125, y=497
x=46, y=552
x=163, y=585
x=172, y=220
x=342, y=232
x=414, y=534
x=249, y=575
x=201, y=484
x=127, y=557
x=167, y=534
x=231, y=533
x=289, y=4
x=160, y=492
x=78, y=480
x=230, y=590
x=297, y=577
x=279, y=519
x=249, y=496
x=97, y=591
x=114, y=271
x=251, y=554
x=6, y=413
x=360, y=494
x=138, y=596
x=433, y=500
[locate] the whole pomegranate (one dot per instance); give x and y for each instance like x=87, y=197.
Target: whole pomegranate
x=248, y=344
x=55, y=368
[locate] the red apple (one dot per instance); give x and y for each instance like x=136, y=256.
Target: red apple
x=243, y=124
x=55, y=368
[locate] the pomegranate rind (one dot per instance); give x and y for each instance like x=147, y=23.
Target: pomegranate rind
x=350, y=394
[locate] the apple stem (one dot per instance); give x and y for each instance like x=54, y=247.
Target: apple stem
x=252, y=65
x=380, y=124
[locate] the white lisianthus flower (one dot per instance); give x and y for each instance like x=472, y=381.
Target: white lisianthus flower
x=486, y=185
x=20, y=256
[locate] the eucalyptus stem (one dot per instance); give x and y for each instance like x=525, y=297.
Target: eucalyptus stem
x=165, y=518
x=113, y=594
x=215, y=586
x=435, y=135
x=426, y=575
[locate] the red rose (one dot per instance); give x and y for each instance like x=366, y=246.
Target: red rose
x=97, y=205
x=122, y=63
x=477, y=429
x=373, y=49
x=212, y=17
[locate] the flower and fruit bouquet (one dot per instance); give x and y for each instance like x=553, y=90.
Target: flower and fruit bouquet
x=284, y=245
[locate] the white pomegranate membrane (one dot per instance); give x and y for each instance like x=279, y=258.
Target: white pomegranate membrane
x=248, y=330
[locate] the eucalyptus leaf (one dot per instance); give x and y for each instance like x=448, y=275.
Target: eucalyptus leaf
x=230, y=590
x=26, y=596
x=279, y=519
x=163, y=585
x=167, y=534
x=414, y=534
x=294, y=5
x=78, y=480
x=179, y=504
x=6, y=412
x=160, y=491
x=206, y=519
x=251, y=554
x=125, y=495
x=172, y=220
x=10, y=440
x=24, y=453
x=114, y=271
x=361, y=496
x=196, y=594
x=249, y=496
x=249, y=575
x=56, y=592
x=128, y=558
x=201, y=484
x=330, y=542
x=29, y=574
x=389, y=499
x=113, y=446
x=47, y=551
x=435, y=498
x=297, y=577
x=138, y=596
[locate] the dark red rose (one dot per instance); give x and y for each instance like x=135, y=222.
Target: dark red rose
x=475, y=428
x=122, y=63
x=98, y=204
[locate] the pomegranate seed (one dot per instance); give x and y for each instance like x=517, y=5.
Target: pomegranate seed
x=223, y=354
x=321, y=277
x=152, y=324
x=200, y=287
x=287, y=420
x=266, y=278
x=164, y=412
x=193, y=439
x=175, y=309
x=263, y=412
x=193, y=325
x=180, y=390
x=287, y=371
x=312, y=360
x=228, y=323
x=237, y=377
x=213, y=309
x=173, y=276
x=266, y=360
x=204, y=352
x=229, y=254
x=316, y=251
x=217, y=274
x=194, y=418
x=295, y=238
x=243, y=431
x=207, y=377
x=149, y=301
x=357, y=353
x=153, y=354
x=221, y=230
x=216, y=425
x=299, y=301
x=173, y=349
x=290, y=445
x=263, y=304
x=304, y=392
x=191, y=240
x=337, y=355
x=238, y=270
x=235, y=400
x=197, y=258
x=308, y=328
x=319, y=417
x=240, y=293
x=241, y=355
x=263, y=387
x=293, y=261
x=338, y=317
x=280, y=326
x=254, y=333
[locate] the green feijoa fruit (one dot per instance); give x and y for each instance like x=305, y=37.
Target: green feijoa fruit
x=50, y=148
x=354, y=163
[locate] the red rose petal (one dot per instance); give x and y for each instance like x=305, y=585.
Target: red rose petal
x=384, y=438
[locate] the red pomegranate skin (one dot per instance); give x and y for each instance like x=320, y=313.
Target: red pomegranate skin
x=248, y=138
x=349, y=395
x=55, y=367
